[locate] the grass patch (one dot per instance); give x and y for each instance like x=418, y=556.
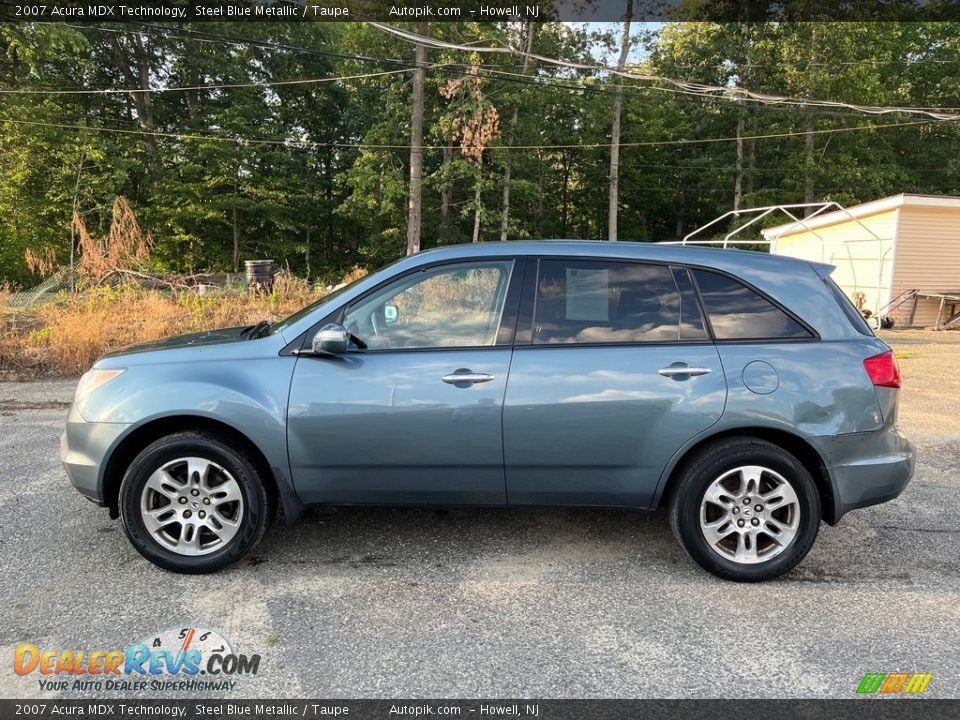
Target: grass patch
x=66, y=336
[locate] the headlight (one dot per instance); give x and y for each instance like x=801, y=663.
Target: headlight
x=93, y=379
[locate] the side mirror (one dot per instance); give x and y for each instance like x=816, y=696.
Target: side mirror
x=391, y=313
x=331, y=339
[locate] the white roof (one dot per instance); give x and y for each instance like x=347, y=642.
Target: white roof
x=863, y=210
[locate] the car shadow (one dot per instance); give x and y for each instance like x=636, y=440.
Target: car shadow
x=450, y=538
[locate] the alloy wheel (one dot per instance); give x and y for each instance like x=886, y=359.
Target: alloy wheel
x=749, y=514
x=192, y=506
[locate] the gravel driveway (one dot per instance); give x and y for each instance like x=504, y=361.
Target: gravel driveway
x=501, y=603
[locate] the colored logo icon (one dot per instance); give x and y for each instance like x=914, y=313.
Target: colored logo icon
x=894, y=683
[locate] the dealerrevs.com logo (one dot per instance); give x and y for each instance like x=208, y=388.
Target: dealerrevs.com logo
x=180, y=659
x=894, y=683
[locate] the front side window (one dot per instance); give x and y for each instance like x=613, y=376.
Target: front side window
x=588, y=302
x=738, y=313
x=441, y=307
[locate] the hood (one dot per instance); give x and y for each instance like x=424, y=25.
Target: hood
x=208, y=337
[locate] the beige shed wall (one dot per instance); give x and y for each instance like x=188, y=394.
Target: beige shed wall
x=858, y=257
x=927, y=258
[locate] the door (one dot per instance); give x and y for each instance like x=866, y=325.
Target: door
x=612, y=373
x=415, y=417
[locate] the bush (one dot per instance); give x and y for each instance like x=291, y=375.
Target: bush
x=66, y=336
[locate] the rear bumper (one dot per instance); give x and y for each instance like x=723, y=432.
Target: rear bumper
x=84, y=447
x=865, y=468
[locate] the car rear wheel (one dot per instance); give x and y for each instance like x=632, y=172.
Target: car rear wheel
x=193, y=503
x=745, y=509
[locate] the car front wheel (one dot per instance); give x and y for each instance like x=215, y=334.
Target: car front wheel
x=193, y=503
x=745, y=509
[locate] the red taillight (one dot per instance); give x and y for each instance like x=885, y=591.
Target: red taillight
x=883, y=370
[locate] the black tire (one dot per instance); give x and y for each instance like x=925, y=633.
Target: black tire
x=710, y=463
x=258, y=506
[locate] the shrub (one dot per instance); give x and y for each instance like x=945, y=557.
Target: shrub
x=66, y=336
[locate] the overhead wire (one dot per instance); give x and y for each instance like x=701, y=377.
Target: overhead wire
x=680, y=85
x=386, y=146
x=495, y=74
x=221, y=86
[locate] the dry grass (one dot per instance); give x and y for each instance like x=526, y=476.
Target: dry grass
x=65, y=337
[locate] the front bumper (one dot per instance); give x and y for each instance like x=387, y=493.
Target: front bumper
x=866, y=468
x=84, y=448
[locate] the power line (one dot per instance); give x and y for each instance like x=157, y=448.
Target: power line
x=224, y=86
x=681, y=86
x=379, y=146
x=494, y=74
x=452, y=68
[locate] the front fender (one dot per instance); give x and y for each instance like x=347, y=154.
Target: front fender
x=248, y=396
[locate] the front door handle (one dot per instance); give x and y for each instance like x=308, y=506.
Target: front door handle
x=682, y=369
x=465, y=378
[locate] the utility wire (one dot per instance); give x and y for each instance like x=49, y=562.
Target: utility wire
x=456, y=69
x=224, y=86
x=379, y=146
x=452, y=68
x=680, y=85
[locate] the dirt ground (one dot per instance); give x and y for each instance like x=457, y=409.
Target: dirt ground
x=930, y=399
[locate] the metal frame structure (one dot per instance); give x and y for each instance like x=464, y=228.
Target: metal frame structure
x=798, y=221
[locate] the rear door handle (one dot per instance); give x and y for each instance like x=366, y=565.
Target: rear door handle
x=677, y=369
x=465, y=378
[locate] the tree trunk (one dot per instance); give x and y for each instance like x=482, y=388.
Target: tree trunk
x=541, y=186
x=680, y=213
x=477, y=200
x=809, y=179
x=415, y=212
x=236, y=242
x=193, y=78
x=614, y=199
x=306, y=253
x=328, y=192
x=565, y=192
x=505, y=216
x=136, y=73
x=742, y=82
x=446, y=195
x=738, y=180
x=73, y=214
x=236, y=231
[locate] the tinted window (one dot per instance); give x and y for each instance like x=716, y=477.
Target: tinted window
x=449, y=306
x=738, y=313
x=609, y=302
x=853, y=315
x=691, y=322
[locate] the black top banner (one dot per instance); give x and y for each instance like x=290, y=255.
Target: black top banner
x=478, y=11
x=392, y=709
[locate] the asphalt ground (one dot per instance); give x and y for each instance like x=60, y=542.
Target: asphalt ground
x=455, y=603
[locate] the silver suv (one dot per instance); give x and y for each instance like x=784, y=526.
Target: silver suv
x=742, y=391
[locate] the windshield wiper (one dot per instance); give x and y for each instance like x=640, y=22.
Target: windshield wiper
x=256, y=331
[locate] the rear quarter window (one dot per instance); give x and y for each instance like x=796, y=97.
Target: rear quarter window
x=737, y=312
x=853, y=315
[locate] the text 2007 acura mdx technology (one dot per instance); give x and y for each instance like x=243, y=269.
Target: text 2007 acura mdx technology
x=740, y=390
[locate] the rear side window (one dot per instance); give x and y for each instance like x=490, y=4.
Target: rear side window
x=738, y=313
x=853, y=315
x=590, y=302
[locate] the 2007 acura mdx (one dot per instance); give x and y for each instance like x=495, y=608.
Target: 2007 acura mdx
x=740, y=390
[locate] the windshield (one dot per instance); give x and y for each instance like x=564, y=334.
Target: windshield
x=303, y=312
